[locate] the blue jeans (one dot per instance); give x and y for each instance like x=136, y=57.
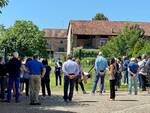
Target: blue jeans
x=96, y=79
x=140, y=80
x=135, y=79
x=68, y=81
x=12, y=80
x=126, y=76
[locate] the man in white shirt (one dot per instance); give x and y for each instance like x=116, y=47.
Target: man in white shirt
x=71, y=70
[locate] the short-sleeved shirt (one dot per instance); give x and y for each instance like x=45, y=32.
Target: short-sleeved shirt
x=35, y=67
x=133, y=67
x=70, y=67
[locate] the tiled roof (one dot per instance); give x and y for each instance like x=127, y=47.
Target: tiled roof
x=55, y=33
x=101, y=27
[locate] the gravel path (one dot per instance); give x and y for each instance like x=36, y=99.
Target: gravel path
x=83, y=104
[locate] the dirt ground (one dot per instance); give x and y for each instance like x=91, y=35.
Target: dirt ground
x=124, y=103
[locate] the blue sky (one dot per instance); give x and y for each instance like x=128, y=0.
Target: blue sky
x=57, y=13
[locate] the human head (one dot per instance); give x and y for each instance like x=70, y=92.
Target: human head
x=35, y=56
x=139, y=58
x=133, y=59
x=15, y=54
x=112, y=61
x=69, y=56
x=73, y=59
x=78, y=61
x=45, y=62
x=100, y=53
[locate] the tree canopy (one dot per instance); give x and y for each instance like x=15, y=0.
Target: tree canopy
x=129, y=42
x=3, y=3
x=100, y=16
x=24, y=37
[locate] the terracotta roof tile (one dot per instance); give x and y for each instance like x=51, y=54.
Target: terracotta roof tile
x=101, y=27
x=55, y=33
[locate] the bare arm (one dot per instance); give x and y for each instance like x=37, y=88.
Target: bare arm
x=131, y=72
x=43, y=72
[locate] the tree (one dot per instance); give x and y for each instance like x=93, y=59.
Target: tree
x=128, y=42
x=24, y=37
x=3, y=3
x=100, y=16
x=146, y=49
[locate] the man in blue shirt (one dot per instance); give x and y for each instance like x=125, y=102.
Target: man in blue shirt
x=37, y=71
x=132, y=75
x=71, y=70
x=100, y=70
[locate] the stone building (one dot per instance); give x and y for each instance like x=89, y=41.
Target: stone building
x=57, y=41
x=91, y=34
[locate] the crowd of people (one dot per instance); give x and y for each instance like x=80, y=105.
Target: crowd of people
x=35, y=74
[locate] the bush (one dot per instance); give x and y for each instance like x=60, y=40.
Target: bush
x=84, y=53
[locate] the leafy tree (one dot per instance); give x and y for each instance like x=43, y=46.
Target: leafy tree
x=146, y=49
x=3, y=3
x=128, y=42
x=100, y=16
x=24, y=37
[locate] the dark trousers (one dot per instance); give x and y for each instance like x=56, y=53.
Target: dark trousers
x=45, y=83
x=80, y=83
x=2, y=93
x=58, y=76
x=10, y=85
x=112, y=89
x=68, y=81
x=143, y=82
x=26, y=81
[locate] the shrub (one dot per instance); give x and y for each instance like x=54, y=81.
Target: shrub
x=83, y=53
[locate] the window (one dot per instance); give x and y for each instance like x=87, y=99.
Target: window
x=61, y=49
x=61, y=42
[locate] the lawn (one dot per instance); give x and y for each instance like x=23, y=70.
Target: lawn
x=88, y=85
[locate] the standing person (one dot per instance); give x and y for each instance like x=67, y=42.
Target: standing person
x=26, y=77
x=132, y=75
x=71, y=70
x=58, y=66
x=125, y=65
x=37, y=71
x=142, y=72
x=45, y=81
x=21, y=75
x=13, y=68
x=100, y=70
x=2, y=74
x=79, y=78
x=116, y=74
x=119, y=71
x=112, y=71
x=148, y=74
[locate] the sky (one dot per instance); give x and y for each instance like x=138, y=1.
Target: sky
x=58, y=13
